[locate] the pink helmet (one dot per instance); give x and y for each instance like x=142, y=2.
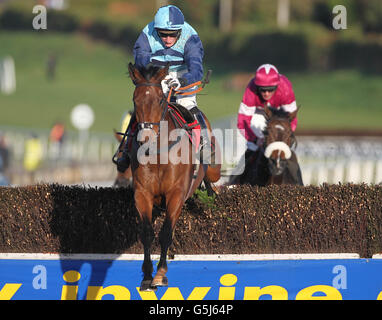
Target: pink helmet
x=267, y=75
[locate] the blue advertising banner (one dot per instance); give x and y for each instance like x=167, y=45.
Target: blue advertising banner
x=94, y=279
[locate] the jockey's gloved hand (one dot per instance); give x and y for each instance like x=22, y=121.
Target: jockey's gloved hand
x=174, y=83
x=164, y=83
x=258, y=125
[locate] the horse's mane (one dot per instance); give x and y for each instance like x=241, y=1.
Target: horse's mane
x=149, y=71
x=279, y=113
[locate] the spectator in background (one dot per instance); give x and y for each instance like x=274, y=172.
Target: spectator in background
x=32, y=156
x=4, y=161
x=57, y=137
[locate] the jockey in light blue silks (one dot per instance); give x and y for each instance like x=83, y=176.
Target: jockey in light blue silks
x=169, y=39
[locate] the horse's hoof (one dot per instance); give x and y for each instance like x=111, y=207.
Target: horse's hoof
x=160, y=282
x=146, y=285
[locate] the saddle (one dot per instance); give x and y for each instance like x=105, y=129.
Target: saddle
x=182, y=111
x=185, y=120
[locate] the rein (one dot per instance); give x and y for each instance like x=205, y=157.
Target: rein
x=293, y=144
x=150, y=125
x=200, y=85
x=280, y=146
x=165, y=102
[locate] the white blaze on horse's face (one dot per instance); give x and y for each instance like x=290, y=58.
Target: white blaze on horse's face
x=279, y=127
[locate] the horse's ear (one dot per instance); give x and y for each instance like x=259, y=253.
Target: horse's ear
x=162, y=73
x=268, y=112
x=134, y=73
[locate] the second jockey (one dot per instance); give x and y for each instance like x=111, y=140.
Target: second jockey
x=268, y=87
x=169, y=39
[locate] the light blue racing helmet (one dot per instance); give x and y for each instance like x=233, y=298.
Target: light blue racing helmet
x=169, y=18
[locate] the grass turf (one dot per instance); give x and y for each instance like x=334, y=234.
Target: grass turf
x=95, y=73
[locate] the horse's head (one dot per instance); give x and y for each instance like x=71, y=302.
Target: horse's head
x=148, y=95
x=279, y=139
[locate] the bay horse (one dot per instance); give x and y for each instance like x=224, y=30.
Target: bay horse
x=156, y=181
x=275, y=162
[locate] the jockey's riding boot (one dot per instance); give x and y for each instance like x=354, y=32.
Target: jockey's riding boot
x=251, y=155
x=124, y=161
x=204, y=139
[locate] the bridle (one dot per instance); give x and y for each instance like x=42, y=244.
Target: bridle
x=165, y=101
x=164, y=104
x=150, y=125
x=145, y=125
x=279, y=145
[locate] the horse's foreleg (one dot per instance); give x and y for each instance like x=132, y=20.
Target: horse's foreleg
x=294, y=170
x=174, y=207
x=165, y=240
x=144, y=207
x=147, y=237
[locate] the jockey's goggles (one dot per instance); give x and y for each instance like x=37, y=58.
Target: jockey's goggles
x=267, y=89
x=168, y=33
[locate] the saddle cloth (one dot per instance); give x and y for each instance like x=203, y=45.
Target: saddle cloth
x=184, y=119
